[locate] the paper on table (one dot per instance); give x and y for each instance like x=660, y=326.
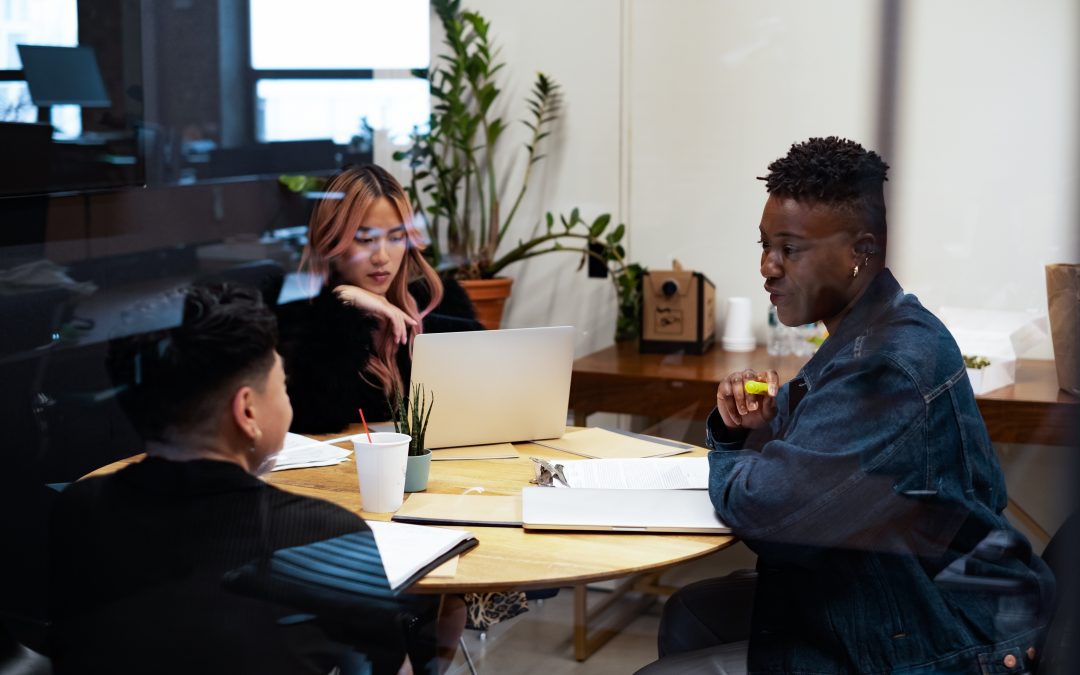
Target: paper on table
x=603, y=444
x=672, y=473
x=470, y=509
x=493, y=451
x=408, y=549
x=301, y=451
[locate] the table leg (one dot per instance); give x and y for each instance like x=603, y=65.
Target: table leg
x=1030, y=523
x=586, y=644
x=580, y=418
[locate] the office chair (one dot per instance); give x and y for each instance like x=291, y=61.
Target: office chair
x=265, y=275
x=15, y=659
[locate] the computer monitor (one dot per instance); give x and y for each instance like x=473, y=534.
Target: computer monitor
x=63, y=76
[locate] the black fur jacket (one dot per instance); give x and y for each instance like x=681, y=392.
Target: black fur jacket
x=326, y=346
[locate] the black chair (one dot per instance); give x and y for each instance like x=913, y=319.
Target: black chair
x=265, y=275
x=1062, y=554
x=16, y=659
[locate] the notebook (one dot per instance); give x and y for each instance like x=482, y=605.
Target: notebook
x=631, y=510
x=409, y=552
x=496, y=386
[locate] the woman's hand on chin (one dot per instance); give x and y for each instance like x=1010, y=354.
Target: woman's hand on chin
x=376, y=304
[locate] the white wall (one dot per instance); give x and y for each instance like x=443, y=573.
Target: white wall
x=717, y=91
x=984, y=182
x=673, y=108
x=577, y=43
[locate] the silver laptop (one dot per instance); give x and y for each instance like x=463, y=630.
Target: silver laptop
x=599, y=510
x=495, y=386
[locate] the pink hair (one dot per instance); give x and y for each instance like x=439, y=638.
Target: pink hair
x=333, y=226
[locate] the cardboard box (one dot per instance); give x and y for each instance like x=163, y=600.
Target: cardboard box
x=999, y=336
x=678, y=312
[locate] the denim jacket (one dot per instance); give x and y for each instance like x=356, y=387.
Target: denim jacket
x=875, y=476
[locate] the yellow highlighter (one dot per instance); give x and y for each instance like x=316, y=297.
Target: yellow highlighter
x=755, y=387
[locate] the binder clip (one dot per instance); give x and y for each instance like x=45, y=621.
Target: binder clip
x=547, y=473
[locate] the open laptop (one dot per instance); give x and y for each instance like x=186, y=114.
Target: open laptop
x=600, y=510
x=495, y=386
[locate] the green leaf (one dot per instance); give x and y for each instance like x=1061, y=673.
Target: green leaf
x=597, y=228
x=550, y=220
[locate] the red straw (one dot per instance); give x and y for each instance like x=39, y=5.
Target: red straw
x=365, y=426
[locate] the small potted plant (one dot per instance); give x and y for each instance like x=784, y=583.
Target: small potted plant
x=975, y=366
x=411, y=417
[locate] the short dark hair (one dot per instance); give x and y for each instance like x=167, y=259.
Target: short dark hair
x=173, y=380
x=833, y=171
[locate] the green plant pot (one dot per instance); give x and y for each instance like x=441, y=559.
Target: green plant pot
x=416, y=472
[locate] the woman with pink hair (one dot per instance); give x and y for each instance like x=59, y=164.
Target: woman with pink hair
x=351, y=346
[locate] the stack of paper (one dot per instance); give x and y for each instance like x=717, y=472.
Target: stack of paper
x=301, y=452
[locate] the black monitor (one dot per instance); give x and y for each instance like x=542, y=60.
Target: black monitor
x=63, y=76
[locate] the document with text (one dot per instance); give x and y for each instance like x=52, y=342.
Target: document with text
x=668, y=473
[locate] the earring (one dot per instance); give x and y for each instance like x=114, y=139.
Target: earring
x=855, y=272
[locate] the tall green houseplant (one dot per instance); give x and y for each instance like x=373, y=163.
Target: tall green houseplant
x=454, y=181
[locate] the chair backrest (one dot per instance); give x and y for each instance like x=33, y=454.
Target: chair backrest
x=16, y=659
x=1062, y=555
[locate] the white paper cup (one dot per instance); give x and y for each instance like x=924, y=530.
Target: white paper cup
x=738, y=336
x=380, y=466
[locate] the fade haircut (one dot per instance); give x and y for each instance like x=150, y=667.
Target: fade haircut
x=175, y=381
x=836, y=172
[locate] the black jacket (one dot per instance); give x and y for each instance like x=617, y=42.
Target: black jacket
x=326, y=346
x=139, y=560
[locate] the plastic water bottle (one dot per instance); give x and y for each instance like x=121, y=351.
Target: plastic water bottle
x=776, y=339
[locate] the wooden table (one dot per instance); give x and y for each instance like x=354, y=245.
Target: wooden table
x=621, y=380
x=509, y=558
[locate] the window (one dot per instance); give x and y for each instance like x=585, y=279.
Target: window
x=41, y=22
x=337, y=68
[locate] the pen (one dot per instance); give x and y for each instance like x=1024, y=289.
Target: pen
x=755, y=387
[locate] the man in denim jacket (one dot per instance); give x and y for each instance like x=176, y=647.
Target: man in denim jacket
x=867, y=485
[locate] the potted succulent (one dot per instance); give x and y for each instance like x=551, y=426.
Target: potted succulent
x=454, y=185
x=411, y=417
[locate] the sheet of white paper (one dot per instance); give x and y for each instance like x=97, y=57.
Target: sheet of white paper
x=405, y=548
x=994, y=333
x=301, y=451
x=666, y=473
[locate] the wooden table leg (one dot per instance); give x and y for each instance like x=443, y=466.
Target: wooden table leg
x=585, y=645
x=1030, y=523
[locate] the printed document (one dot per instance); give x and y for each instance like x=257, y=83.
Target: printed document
x=671, y=473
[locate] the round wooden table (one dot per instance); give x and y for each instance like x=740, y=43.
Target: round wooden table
x=511, y=558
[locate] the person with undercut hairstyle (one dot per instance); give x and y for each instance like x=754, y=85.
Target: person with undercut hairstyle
x=172, y=564
x=867, y=485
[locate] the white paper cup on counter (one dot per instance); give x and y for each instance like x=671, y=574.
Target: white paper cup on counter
x=738, y=334
x=380, y=466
